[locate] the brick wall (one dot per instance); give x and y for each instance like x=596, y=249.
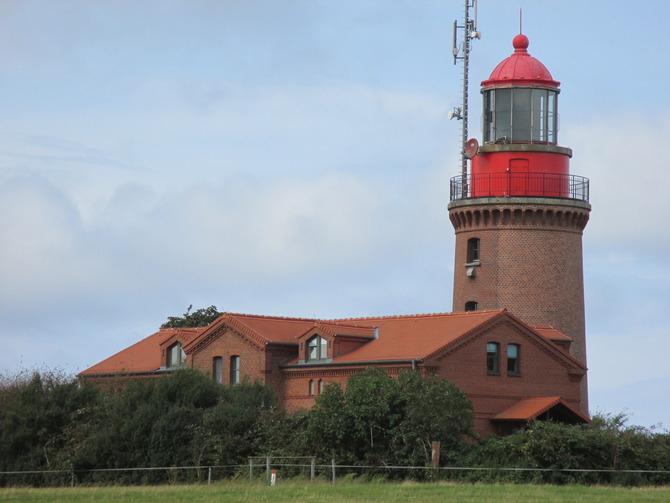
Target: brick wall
x=542, y=373
x=225, y=343
x=530, y=262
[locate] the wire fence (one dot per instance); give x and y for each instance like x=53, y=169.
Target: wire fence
x=274, y=470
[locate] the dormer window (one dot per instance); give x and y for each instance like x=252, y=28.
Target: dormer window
x=176, y=358
x=317, y=349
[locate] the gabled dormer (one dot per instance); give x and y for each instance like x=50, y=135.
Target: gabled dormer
x=326, y=341
x=172, y=352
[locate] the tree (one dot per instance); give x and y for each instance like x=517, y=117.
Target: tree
x=434, y=410
x=380, y=420
x=198, y=318
x=36, y=410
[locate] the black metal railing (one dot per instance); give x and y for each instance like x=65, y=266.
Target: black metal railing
x=519, y=185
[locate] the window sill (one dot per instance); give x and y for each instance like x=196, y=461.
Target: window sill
x=473, y=264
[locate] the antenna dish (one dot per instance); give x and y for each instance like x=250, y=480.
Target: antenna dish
x=471, y=148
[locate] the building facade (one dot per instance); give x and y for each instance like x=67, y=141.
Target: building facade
x=515, y=343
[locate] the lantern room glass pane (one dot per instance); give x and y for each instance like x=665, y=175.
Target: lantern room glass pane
x=489, y=131
x=502, y=114
x=520, y=115
x=521, y=112
x=539, y=116
x=552, y=118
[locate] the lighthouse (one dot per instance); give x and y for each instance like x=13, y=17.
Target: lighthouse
x=519, y=214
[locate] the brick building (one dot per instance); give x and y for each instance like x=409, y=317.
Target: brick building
x=515, y=343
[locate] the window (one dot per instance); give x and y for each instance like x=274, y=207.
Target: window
x=311, y=387
x=234, y=369
x=217, y=369
x=320, y=386
x=473, y=250
x=513, y=359
x=470, y=306
x=317, y=348
x=176, y=357
x=520, y=114
x=492, y=358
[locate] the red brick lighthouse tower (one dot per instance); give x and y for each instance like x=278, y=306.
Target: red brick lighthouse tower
x=519, y=215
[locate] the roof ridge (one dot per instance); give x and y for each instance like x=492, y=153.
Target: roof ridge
x=269, y=317
x=418, y=315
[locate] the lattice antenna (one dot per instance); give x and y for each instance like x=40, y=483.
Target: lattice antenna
x=462, y=52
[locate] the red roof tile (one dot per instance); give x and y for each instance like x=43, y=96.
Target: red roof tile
x=529, y=408
x=144, y=356
x=411, y=337
x=551, y=334
x=335, y=329
x=265, y=329
x=415, y=337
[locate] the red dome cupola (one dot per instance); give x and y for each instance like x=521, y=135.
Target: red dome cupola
x=520, y=69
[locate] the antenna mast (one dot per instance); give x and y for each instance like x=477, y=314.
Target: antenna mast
x=462, y=51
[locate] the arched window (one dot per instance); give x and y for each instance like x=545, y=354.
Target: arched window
x=234, y=369
x=320, y=386
x=317, y=349
x=217, y=369
x=513, y=354
x=176, y=358
x=493, y=358
x=310, y=389
x=473, y=250
x=471, y=305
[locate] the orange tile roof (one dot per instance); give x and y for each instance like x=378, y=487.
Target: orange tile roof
x=551, y=334
x=143, y=356
x=527, y=409
x=415, y=337
x=410, y=337
x=335, y=329
x=265, y=329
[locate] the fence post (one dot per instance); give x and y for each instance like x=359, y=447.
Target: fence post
x=251, y=468
x=312, y=469
x=209, y=476
x=267, y=468
x=333, y=468
x=436, y=459
x=72, y=479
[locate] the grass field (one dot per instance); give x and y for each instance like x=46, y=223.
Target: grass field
x=305, y=492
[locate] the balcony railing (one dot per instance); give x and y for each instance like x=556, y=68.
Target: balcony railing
x=519, y=185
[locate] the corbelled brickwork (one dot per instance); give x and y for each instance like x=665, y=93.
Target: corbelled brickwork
x=530, y=262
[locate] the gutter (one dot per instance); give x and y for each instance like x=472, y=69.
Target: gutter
x=325, y=365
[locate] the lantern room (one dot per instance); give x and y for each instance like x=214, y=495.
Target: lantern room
x=520, y=100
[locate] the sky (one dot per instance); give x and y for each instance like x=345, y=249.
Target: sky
x=293, y=158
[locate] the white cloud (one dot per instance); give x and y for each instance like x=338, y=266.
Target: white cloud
x=629, y=181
